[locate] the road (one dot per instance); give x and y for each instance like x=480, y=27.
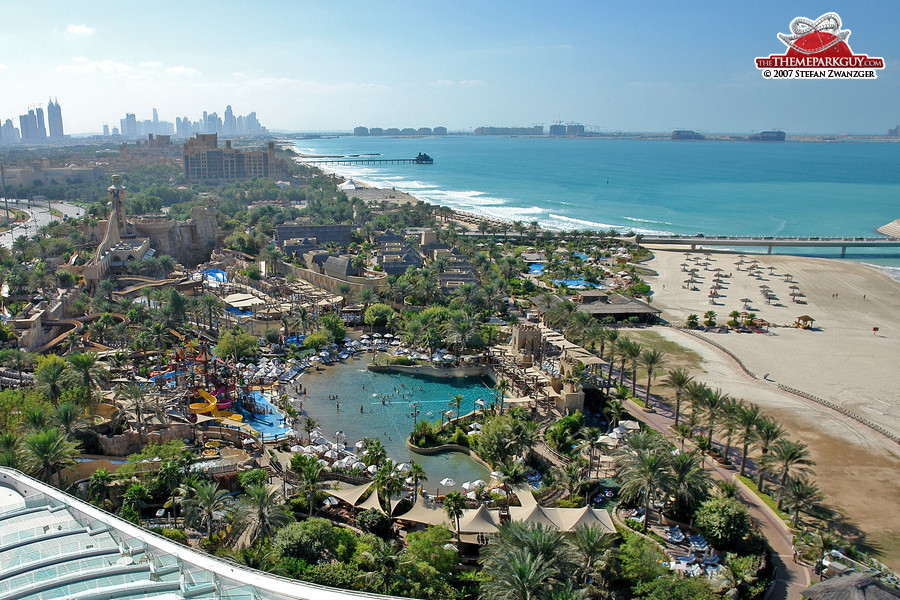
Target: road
x=791, y=578
x=39, y=215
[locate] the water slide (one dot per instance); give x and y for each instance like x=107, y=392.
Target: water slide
x=209, y=408
x=141, y=283
x=75, y=325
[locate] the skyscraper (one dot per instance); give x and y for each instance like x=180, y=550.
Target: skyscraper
x=54, y=118
x=41, y=128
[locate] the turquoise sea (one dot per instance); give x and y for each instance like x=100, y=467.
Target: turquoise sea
x=727, y=187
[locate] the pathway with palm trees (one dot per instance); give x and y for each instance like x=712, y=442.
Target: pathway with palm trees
x=791, y=578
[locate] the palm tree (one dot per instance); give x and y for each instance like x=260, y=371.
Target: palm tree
x=511, y=475
x=99, y=483
x=614, y=410
x=85, y=370
x=417, y=473
x=652, y=359
x=679, y=379
x=385, y=559
x=690, y=482
x=210, y=304
x=388, y=482
x=571, y=477
x=520, y=577
x=35, y=418
x=797, y=494
x=264, y=510
x=310, y=471
x=696, y=395
x=768, y=432
x=747, y=421
x=590, y=544
x=376, y=453
x=207, y=507
x=18, y=360
x=309, y=425
x=456, y=402
x=713, y=403
x=644, y=476
x=454, y=505
x=137, y=397
x=788, y=457
x=590, y=442
x=731, y=409
x=48, y=452
x=50, y=376
x=683, y=431
x=500, y=389
x=70, y=417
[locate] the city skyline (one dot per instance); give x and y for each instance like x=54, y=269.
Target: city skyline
x=463, y=66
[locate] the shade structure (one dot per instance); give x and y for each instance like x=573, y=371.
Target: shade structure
x=479, y=520
x=853, y=586
x=526, y=498
x=534, y=514
x=447, y=482
x=568, y=519
x=427, y=513
x=371, y=502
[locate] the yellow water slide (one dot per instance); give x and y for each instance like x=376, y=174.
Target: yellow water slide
x=209, y=407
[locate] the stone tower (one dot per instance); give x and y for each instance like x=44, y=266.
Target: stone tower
x=116, y=194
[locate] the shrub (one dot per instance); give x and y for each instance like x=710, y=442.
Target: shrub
x=374, y=521
x=723, y=521
x=461, y=437
x=176, y=535
x=333, y=574
x=404, y=361
x=641, y=559
x=314, y=541
x=253, y=477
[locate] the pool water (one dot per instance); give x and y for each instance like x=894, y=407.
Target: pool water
x=576, y=282
x=536, y=268
x=392, y=421
x=270, y=425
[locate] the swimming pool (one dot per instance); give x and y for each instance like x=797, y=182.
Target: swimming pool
x=269, y=425
x=392, y=421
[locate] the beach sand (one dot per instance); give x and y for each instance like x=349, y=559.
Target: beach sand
x=841, y=360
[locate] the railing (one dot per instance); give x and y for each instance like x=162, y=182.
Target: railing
x=874, y=426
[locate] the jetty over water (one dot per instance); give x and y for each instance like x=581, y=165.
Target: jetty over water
x=421, y=159
x=769, y=242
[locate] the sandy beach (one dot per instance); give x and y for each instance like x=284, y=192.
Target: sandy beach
x=841, y=360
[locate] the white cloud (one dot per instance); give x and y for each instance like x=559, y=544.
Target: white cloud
x=443, y=83
x=3, y=67
x=82, y=66
x=80, y=29
x=182, y=70
x=153, y=64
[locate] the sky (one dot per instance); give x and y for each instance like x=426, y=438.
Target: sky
x=652, y=65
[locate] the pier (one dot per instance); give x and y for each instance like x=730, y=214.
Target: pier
x=421, y=159
x=769, y=242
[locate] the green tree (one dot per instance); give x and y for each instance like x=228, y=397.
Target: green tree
x=645, y=475
x=48, y=452
x=678, y=379
x=263, y=509
x=430, y=547
x=383, y=564
x=652, y=360
x=690, y=482
x=50, y=374
x=723, y=521
x=207, y=507
x=788, y=457
x=310, y=471
x=641, y=559
x=454, y=506
x=70, y=417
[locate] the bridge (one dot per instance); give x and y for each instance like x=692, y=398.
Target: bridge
x=768, y=242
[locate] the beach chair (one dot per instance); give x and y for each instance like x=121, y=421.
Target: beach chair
x=711, y=561
x=693, y=571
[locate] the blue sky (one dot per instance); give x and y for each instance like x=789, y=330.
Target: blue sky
x=634, y=66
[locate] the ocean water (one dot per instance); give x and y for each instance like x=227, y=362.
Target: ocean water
x=739, y=188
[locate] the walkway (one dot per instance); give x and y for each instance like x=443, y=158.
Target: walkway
x=791, y=578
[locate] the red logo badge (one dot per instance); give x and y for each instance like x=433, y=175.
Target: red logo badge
x=818, y=50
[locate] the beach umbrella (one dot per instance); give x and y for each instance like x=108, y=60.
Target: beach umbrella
x=359, y=445
x=321, y=449
x=331, y=454
x=478, y=482
x=358, y=465
x=389, y=335
x=376, y=335
x=330, y=501
x=323, y=462
x=364, y=337
x=479, y=402
x=472, y=496
x=372, y=469
x=467, y=485
x=475, y=426
x=403, y=467
x=447, y=482
x=296, y=448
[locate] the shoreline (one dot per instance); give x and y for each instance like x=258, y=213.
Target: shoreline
x=841, y=360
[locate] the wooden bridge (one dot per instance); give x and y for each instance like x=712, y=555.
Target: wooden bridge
x=768, y=242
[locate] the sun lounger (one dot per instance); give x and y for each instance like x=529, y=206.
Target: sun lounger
x=711, y=560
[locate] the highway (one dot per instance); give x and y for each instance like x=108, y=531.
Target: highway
x=39, y=216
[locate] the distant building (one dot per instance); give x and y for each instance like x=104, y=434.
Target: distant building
x=155, y=150
x=440, y=130
x=575, y=130
x=535, y=130
x=204, y=160
x=424, y=131
x=54, y=118
x=687, y=134
x=557, y=130
x=360, y=130
x=321, y=235
x=895, y=132
x=376, y=131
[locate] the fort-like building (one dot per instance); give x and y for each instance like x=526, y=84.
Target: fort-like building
x=123, y=240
